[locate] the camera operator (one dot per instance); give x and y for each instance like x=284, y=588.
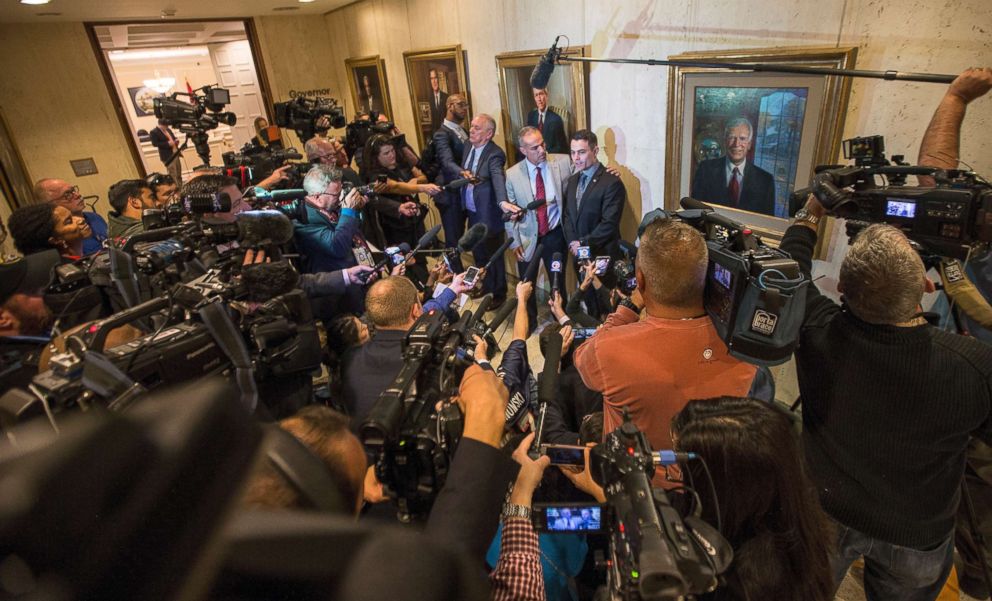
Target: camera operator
x=889, y=403
x=399, y=211
x=333, y=231
x=59, y=192
x=39, y=227
x=681, y=356
x=24, y=318
x=392, y=306
x=164, y=188
x=574, y=401
x=129, y=197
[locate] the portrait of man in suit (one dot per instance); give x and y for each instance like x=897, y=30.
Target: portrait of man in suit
x=732, y=180
x=369, y=88
x=370, y=97
x=548, y=122
x=433, y=76
x=438, y=99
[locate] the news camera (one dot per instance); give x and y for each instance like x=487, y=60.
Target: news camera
x=253, y=164
x=655, y=553
x=952, y=218
x=195, y=118
x=413, y=440
x=357, y=133
x=755, y=294
x=301, y=115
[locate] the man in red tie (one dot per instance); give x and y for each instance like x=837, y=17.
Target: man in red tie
x=734, y=180
x=167, y=144
x=549, y=123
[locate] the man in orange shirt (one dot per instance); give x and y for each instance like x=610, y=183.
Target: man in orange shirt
x=653, y=366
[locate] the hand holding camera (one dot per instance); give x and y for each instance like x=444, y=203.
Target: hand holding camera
x=482, y=398
x=354, y=200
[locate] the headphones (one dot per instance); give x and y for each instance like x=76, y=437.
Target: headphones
x=303, y=471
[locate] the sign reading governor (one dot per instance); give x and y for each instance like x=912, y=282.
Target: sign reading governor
x=310, y=93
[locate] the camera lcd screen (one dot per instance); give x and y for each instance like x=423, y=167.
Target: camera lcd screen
x=562, y=518
x=565, y=454
x=219, y=96
x=900, y=208
x=722, y=275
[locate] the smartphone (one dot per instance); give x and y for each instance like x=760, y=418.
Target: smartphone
x=602, y=264
x=582, y=334
x=563, y=454
x=583, y=253
x=395, y=254
x=568, y=517
x=471, y=275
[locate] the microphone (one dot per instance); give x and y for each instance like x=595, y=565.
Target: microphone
x=504, y=312
x=671, y=457
x=404, y=248
x=535, y=262
x=263, y=227
x=547, y=390
x=457, y=184
x=278, y=195
x=265, y=281
x=536, y=204
x=498, y=255
x=541, y=74
x=427, y=238
x=556, y=273
x=475, y=234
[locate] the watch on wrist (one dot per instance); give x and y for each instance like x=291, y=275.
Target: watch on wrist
x=512, y=510
x=803, y=214
x=626, y=302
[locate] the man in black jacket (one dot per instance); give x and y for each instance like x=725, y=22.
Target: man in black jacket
x=732, y=180
x=167, y=144
x=889, y=404
x=449, y=145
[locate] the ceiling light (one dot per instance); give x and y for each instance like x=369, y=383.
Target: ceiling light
x=35, y=1
x=306, y=1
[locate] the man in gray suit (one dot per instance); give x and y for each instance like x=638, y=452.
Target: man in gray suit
x=540, y=176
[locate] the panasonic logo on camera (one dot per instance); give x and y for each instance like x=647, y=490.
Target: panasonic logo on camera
x=764, y=322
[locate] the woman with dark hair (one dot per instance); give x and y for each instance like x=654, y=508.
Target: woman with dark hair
x=397, y=206
x=42, y=226
x=767, y=506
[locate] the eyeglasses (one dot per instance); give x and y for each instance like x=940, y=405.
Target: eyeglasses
x=70, y=193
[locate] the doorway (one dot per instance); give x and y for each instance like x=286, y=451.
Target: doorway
x=145, y=60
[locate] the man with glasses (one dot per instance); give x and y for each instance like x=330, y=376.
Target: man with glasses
x=164, y=189
x=63, y=194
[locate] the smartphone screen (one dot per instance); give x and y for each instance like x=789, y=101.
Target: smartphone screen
x=471, y=275
x=564, y=454
x=582, y=334
x=395, y=254
x=571, y=517
x=602, y=264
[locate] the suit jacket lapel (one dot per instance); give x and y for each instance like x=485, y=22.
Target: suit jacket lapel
x=598, y=175
x=528, y=194
x=573, y=189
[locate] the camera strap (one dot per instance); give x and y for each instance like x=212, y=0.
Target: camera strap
x=229, y=339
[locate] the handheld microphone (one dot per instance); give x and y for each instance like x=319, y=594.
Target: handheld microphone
x=556, y=273
x=278, y=195
x=404, y=248
x=457, y=184
x=498, y=255
x=475, y=234
x=427, y=238
x=671, y=457
x=541, y=74
x=535, y=262
x=536, y=204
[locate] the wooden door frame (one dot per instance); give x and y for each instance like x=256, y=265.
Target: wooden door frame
x=251, y=33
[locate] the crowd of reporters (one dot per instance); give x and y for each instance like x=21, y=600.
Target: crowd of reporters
x=889, y=403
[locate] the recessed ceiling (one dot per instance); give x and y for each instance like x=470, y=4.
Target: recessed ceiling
x=131, y=10
x=175, y=33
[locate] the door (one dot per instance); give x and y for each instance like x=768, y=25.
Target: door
x=235, y=70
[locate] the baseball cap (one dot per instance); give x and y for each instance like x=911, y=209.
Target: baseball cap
x=27, y=275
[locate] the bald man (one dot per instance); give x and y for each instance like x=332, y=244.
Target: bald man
x=64, y=194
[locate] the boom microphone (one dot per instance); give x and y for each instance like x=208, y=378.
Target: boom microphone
x=556, y=273
x=535, y=262
x=475, y=234
x=265, y=281
x=541, y=74
x=263, y=227
x=498, y=255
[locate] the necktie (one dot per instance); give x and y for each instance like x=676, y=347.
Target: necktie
x=542, y=211
x=540, y=122
x=734, y=188
x=469, y=189
x=583, y=181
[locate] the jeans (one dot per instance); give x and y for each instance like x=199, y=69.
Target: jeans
x=892, y=571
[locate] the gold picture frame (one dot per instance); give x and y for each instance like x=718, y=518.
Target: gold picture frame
x=567, y=93
x=800, y=118
x=373, y=68
x=448, y=62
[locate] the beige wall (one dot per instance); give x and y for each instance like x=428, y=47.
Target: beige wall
x=58, y=107
x=629, y=103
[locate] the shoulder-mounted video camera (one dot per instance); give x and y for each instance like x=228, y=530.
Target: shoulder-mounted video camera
x=301, y=115
x=253, y=164
x=202, y=113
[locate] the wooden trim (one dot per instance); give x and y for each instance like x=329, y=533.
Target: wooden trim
x=261, y=75
x=14, y=178
x=115, y=99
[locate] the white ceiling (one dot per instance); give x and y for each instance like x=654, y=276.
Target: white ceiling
x=12, y=11
x=168, y=33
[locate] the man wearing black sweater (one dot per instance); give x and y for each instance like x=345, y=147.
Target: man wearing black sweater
x=889, y=404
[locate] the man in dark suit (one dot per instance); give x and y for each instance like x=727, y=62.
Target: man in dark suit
x=449, y=147
x=166, y=142
x=732, y=180
x=370, y=98
x=549, y=123
x=484, y=160
x=594, y=200
x=439, y=101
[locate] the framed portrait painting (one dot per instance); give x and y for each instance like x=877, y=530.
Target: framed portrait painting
x=432, y=75
x=563, y=102
x=743, y=141
x=369, y=88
